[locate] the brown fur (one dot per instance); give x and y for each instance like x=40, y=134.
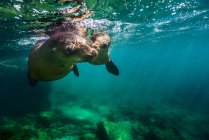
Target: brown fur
x=101, y=42
x=74, y=29
x=54, y=58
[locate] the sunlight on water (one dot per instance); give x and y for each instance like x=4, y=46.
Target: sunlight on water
x=141, y=19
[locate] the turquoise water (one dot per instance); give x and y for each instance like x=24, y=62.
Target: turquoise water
x=162, y=93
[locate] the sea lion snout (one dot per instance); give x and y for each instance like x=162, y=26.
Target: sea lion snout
x=94, y=53
x=90, y=52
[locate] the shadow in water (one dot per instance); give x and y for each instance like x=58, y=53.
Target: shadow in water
x=17, y=98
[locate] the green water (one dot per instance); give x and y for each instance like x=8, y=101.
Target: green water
x=162, y=93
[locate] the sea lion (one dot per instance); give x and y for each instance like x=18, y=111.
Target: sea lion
x=55, y=57
x=101, y=42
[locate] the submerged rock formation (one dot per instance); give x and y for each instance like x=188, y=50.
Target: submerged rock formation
x=113, y=131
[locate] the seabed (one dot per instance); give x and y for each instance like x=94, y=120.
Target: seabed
x=83, y=119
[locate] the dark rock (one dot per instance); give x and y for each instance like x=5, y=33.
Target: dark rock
x=101, y=132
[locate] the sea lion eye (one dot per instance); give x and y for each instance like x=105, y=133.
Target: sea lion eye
x=104, y=46
x=70, y=51
x=83, y=47
x=93, y=46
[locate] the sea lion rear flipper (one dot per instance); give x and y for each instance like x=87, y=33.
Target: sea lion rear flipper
x=32, y=82
x=75, y=70
x=112, y=68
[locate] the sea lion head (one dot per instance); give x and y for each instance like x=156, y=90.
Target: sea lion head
x=101, y=40
x=73, y=46
x=81, y=48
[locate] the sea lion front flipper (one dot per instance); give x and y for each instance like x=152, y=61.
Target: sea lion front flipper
x=32, y=82
x=112, y=68
x=75, y=70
